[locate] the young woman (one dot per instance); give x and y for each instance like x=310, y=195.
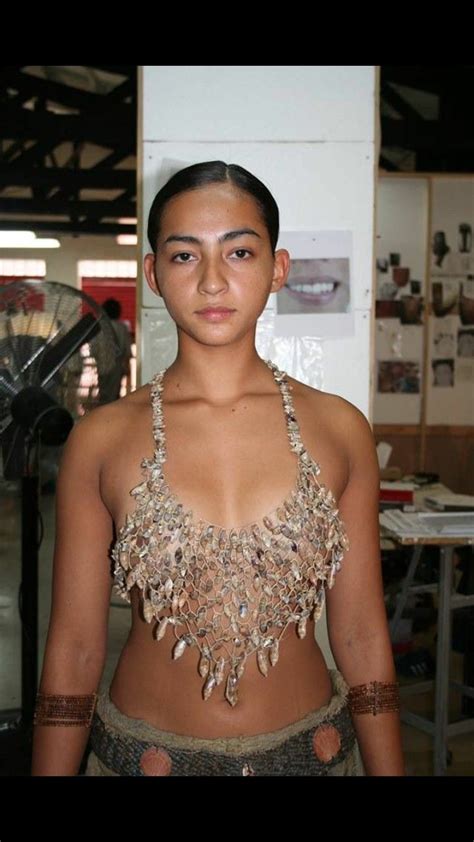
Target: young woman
x=234, y=500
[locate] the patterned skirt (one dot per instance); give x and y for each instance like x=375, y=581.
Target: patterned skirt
x=322, y=743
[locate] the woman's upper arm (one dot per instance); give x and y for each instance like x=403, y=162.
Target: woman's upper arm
x=84, y=531
x=355, y=604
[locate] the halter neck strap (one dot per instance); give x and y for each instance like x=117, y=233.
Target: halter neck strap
x=280, y=377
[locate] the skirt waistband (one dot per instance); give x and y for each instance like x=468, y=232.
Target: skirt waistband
x=113, y=718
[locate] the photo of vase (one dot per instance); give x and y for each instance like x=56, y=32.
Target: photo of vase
x=466, y=307
x=465, y=237
x=440, y=247
x=401, y=275
x=411, y=309
x=445, y=297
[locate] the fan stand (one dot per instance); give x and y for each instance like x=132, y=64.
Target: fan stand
x=16, y=725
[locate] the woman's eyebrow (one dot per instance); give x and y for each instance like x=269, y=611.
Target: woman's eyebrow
x=229, y=235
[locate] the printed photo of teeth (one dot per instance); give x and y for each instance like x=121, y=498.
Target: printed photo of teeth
x=316, y=285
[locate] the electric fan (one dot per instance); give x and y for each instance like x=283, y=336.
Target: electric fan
x=51, y=336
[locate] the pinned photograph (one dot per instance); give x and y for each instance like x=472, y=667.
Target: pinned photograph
x=411, y=310
x=318, y=297
x=465, y=237
x=466, y=302
x=398, y=376
x=443, y=343
x=440, y=248
x=316, y=285
x=445, y=297
x=466, y=343
x=443, y=372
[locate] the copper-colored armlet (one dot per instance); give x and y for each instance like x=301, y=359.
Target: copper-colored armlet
x=375, y=697
x=64, y=710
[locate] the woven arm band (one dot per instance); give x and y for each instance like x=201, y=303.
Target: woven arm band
x=375, y=697
x=64, y=710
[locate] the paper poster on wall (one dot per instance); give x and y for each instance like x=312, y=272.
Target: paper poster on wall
x=317, y=298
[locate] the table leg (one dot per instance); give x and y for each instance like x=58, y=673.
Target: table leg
x=407, y=583
x=442, y=659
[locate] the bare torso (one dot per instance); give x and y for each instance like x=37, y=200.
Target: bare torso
x=230, y=465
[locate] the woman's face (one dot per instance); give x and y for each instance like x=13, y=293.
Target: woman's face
x=214, y=251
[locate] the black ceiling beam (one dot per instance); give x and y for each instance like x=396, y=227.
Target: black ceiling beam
x=125, y=89
x=17, y=146
x=34, y=155
x=430, y=78
x=387, y=165
x=429, y=134
x=32, y=86
x=60, y=207
x=66, y=226
x=117, y=69
x=103, y=128
x=114, y=157
x=80, y=179
x=437, y=160
x=400, y=104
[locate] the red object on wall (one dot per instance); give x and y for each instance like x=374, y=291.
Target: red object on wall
x=123, y=289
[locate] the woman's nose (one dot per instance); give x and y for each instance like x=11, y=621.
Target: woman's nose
x=213, y=278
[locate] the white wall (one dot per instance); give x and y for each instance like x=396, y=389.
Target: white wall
x=308, y=132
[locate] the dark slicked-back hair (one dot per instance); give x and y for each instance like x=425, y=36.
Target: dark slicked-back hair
x=215, y=172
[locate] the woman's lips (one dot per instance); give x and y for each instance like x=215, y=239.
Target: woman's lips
x=317, y=291
x=215, y=314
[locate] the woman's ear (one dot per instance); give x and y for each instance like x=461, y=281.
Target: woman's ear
x=281, y=269
x=149, y=263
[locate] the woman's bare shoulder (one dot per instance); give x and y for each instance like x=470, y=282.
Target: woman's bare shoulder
x=341, y=413
x=104, y=426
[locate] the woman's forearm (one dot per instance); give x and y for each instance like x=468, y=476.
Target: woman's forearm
x=362, y=661
x=59, y=749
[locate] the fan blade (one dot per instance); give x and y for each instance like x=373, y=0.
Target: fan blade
x=58, y=354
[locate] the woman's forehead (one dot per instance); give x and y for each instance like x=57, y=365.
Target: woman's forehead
x=209, y=204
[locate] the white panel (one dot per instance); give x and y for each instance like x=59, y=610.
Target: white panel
x=402, y=222
x=453, y=202
x=347, y=364
x=159, y=343
x=319, y=194
x=254, y=103
x=450, y=404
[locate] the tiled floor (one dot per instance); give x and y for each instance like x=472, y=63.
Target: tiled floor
x=417, y=745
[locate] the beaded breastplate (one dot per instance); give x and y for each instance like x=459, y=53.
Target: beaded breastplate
x=229, y=592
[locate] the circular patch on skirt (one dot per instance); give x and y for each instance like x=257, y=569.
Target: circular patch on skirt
x=326, y=742
x=155, y=761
